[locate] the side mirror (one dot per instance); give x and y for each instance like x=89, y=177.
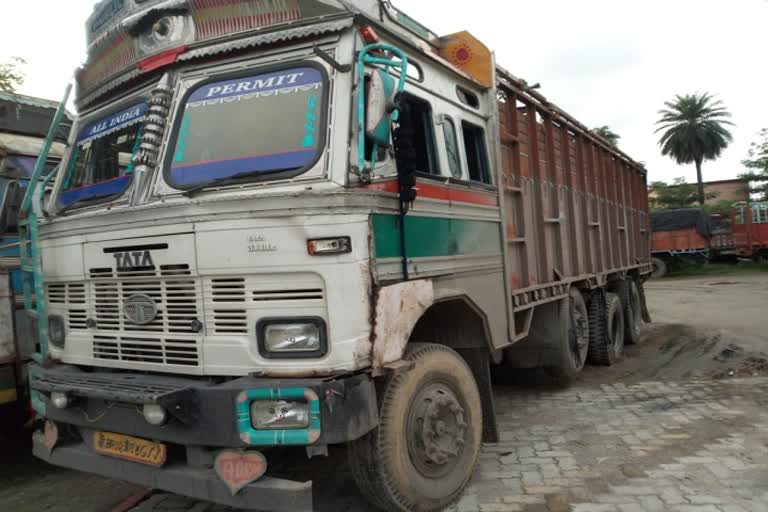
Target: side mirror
x=379, y=107
x=10, y=203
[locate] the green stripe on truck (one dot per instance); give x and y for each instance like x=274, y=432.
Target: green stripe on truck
x=428, y=237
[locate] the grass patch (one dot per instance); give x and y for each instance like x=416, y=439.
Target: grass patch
x=719, y=269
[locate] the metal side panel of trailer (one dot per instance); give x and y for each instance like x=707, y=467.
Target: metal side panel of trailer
x=575, y=208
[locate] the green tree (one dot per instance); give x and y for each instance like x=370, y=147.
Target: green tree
x=11, y=76
x=694, y=130
x=757, y=163
x=679, y=194
x=723, y=207
x=609, y=135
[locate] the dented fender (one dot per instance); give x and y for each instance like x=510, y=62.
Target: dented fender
x=398, y=308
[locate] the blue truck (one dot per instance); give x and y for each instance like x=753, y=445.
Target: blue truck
x=24, y=123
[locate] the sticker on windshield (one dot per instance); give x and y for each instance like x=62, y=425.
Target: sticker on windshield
x=288, y=81
x=257, y=124
x=114, y=122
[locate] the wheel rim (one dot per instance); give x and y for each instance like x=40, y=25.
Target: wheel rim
x=437, y=430
x=579, y=335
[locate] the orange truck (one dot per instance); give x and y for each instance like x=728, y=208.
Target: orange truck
x=691, y=236
x=679, y=237
x=750, y=231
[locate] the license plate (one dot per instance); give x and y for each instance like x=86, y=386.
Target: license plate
x=130, y=448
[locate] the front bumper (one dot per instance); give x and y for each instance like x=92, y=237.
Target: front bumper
x=202, y=413
x=205, y=418
x=267, y=493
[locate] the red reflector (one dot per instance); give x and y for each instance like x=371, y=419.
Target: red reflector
x=161, y=59
x=369, y=35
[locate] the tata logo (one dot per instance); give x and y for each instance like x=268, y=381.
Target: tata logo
x=134, y=260
x=140, y=309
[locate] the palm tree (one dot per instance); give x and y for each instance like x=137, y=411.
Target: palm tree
x=609, y=135
x=694, y=130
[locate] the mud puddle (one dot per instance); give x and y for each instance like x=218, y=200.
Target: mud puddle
x=681, y=352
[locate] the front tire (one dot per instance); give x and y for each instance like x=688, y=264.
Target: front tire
x=425, y=449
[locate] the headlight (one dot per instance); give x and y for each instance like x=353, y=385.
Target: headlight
x=282, y=415
x=292, y=338
x=56, y=331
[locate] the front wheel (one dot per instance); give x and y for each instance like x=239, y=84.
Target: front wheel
x=426, y=447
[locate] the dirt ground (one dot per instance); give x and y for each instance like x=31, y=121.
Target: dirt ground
x=680, y=424
x=703, y=327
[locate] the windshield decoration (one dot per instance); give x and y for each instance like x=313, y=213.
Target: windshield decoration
x=100, y=167
x=251, y=125
x=114, y=122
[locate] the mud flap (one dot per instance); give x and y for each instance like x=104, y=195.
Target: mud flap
x=644, y=305
x=480, y=364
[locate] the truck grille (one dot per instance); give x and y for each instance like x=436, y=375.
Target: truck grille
x=227, y=307
x=72, y=295
x=229, y=300
x=145, y=349
x=177, y=302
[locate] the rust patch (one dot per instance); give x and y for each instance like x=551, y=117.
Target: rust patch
x=398, y=308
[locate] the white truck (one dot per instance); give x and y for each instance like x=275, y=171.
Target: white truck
x=316, y=223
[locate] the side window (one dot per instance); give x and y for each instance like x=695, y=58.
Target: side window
x=452, y=147
x=760, y=214
x=417, y=130
x=477, y=153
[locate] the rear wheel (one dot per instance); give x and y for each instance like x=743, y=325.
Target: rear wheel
x=606, y=323
x=660, y=268
x=573, y=343
x=426, y=447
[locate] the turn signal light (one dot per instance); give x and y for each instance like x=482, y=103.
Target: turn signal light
x=329, y=246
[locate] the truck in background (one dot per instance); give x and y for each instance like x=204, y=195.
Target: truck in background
x=692, y=236
x=24, y=123
x=750, y=231
x=315, y=223
x=679, y=237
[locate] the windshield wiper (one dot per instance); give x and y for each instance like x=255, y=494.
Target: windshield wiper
x=229, y=180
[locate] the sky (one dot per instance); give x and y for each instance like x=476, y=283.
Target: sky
x=606, y=62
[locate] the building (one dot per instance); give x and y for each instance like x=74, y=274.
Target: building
x=734, y=191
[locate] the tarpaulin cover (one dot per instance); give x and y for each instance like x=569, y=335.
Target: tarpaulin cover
x=688, y=218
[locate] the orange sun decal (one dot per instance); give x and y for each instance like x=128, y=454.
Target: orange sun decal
x=462, y=54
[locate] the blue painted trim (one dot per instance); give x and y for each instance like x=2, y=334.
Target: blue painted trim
x=105, y=188
x=297, y=437
x=188, y=175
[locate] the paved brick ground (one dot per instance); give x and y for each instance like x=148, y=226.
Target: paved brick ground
x=679, y=447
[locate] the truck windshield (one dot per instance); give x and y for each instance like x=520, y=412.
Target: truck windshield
x=255, y=126
x=100, y=166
